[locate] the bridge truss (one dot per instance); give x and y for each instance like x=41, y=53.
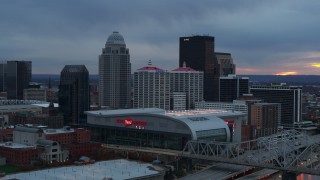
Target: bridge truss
x=288, y=150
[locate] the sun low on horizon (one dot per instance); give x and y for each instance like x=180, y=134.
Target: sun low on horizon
x=315, y=65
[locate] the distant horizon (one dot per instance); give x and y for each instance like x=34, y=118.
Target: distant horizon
x=236, y=74
x=288, y=79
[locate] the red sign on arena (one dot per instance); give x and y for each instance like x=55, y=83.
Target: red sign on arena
x=128, y=122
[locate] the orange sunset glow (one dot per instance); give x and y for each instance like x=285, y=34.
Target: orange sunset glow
x=286, y=73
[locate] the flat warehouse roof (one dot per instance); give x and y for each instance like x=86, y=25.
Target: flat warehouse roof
x=115, y=169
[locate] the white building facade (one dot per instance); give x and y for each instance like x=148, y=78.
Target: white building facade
x=241, y=107
x=189, y=81
x=32, y=136
x=151, y=88
x=178, y=101
x=52, y=151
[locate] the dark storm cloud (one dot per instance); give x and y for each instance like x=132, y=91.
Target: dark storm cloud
x=257, y=33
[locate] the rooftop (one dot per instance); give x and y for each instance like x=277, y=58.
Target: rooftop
x=185, y=69
x=74, y=68
x=233, y=76
x=36, y=128
x=114, y=169
x=126, y=111
x=15, y=145
x=45, y=105
x=196, y=112
x=203, y=112
x=58, y=131
x=150, y=68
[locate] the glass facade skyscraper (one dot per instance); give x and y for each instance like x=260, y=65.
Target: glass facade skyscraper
x=232, y=87
x=198, y=53
x=3, y=76
x=18, y=78
x=74, y=93
x=288, y=96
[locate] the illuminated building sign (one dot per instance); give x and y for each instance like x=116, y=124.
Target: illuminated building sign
x=129, y=122
x=231, y=122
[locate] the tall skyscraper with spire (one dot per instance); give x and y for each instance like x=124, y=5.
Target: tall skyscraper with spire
x=114, y=73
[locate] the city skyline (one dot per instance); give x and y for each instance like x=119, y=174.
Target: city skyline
x=272, y=37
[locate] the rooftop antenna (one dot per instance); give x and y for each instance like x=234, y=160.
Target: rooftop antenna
x=49, y=83
x=184, y=64
x=49, y=96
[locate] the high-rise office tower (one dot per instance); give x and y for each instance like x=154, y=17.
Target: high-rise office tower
x=265, y=118
x=223, y=66
x=18, y=78
x=151, y=88
x=189, y=81
x=74, y=93
x=114, y=73
x=3, y=76
x=231, y=87
x=198, y=52
x=288, y=96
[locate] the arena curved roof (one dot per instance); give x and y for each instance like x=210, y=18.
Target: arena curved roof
x=204, y=123
x=195, y=122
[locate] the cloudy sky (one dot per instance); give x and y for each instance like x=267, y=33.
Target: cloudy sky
x=264, y=37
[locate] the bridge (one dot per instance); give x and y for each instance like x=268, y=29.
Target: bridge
x=288, y=150
x=166, y=152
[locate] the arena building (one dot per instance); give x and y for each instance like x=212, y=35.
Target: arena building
x=158, y=128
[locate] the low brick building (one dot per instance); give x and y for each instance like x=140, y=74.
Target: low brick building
x=6, y=134
x=18, y=154
x=76, y=141
x=51, y=145
x=82, y=149
x=68, y=135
